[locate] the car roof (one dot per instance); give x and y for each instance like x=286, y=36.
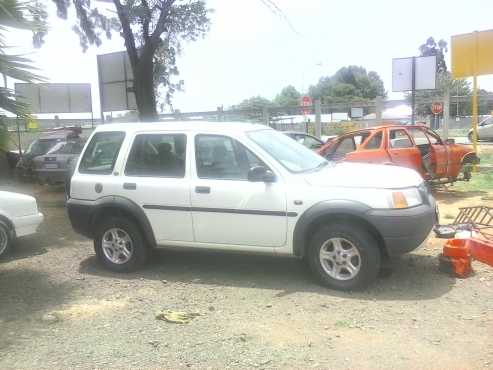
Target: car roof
x=214, y=127
x=375, y=128
x=51, y=135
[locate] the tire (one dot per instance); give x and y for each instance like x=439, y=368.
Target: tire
x=355, y=239
x=5, y=239
x=129, y=248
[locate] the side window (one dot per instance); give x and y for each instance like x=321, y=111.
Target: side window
x=375, y=142
x=344, y=147
x=399, y=139
x=159, y=155
x=101, y=153
x=360, y=137
x=434, y=138
x=220, y=157
x=419, y=136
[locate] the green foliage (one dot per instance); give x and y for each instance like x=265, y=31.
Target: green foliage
x=348, y=84
x=16, y=14
x=254, y=103
x=288, y=97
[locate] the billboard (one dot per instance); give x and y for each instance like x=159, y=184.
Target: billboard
x=424, y=71
x=472, y=54
x=115, y=82
x=55, y=97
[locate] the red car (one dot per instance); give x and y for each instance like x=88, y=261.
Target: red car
x=416, y=147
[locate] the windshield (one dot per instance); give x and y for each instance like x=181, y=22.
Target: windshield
x=292, y=155
x=40, y=147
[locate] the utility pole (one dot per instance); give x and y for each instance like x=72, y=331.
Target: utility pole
x=446, y=113
x=318, y=118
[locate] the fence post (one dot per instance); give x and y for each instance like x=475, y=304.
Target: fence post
x=446, y=113
x=378, y=108
x=318, y=118
x=266, y=116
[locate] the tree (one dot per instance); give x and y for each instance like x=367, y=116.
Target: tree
x=255, y=103
x=288, y=97
x=431, y=47
x=444, y=82
x=348, y=84
x=153, y=31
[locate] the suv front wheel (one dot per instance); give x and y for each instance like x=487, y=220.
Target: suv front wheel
x=119, y=245
x=344, y=257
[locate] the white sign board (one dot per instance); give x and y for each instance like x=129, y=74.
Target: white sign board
x=55, y=98
x=425, y=73
x=115, y=82
x=356, y=112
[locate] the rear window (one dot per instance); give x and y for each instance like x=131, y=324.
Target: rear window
x=101, y=153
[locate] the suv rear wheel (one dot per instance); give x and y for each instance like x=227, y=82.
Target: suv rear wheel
x=344, y=257
x=119, y=245
x=5, y=239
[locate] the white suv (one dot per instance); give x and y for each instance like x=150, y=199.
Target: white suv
x=243, y=187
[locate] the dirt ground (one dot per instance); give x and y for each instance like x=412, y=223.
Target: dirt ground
x=60, y=309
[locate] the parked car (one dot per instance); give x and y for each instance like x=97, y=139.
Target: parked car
x=52, y=167
x=243, y=187
x=311, y=142
x=485, y=130
x=415, y=147
x=19, y=216
x=42, y=145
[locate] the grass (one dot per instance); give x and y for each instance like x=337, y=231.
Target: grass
x=481, y=180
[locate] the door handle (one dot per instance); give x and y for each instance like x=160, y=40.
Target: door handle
x=129, y=186
x=203, y=189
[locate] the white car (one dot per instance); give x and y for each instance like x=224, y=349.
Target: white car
x=19, y=216
x=243, y=187
x=485, y=130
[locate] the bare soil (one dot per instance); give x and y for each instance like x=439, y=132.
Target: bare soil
x=60, y=309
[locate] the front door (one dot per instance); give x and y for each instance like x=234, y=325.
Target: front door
x=226, y=207
x=156, y=178
x=439, y=154
x=402, y=151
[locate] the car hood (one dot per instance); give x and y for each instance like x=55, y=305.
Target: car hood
x=15, y=204
x=361, y=175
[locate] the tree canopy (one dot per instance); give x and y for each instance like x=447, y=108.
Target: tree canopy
x=288, y=97
x=348, y=84
x=153, y=31
x=254, y=103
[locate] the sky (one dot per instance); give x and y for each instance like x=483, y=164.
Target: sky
x=250, y=51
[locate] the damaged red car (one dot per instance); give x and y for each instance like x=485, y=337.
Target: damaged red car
x=416, y=147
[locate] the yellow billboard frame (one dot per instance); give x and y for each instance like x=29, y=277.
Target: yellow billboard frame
x=472, y=56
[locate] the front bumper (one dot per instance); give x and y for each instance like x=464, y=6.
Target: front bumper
x=27, y=225
x=404, y=230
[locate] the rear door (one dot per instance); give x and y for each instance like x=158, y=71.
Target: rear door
x=156, y=177
x=402, y=150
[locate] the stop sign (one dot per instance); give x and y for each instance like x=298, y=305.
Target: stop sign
x=437, y=108
x=306, y=102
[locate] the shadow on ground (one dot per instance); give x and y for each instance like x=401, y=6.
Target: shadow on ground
x=26, y=294
x=413, y=277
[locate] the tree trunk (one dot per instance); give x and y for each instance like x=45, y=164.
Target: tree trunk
x=144, y=89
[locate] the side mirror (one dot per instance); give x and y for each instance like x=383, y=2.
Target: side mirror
x=450, y=141
x=261, y=174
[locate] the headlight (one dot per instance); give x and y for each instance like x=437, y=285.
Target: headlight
x=405, y=198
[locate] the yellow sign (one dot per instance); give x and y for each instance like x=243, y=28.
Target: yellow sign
x=472, y=54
